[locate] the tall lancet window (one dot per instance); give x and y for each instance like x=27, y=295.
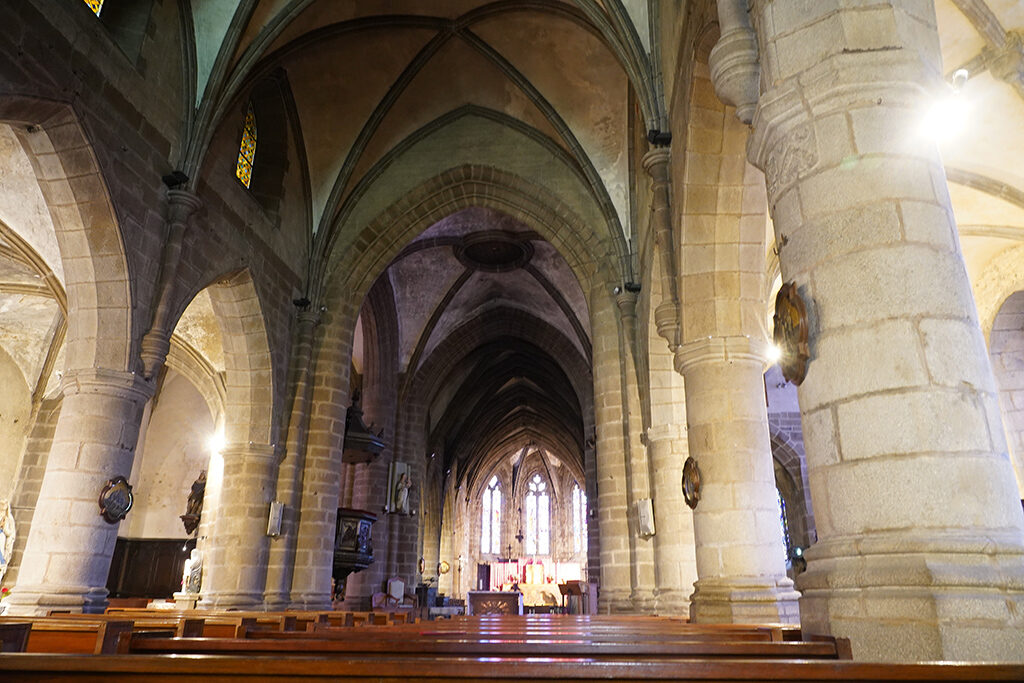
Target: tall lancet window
x=785, y=527
x=247, y=150
x=95, y=6
x=538, y=518
x=490, y=524
x=579, y=519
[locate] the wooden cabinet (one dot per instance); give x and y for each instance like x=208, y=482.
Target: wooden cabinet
x=147, y=568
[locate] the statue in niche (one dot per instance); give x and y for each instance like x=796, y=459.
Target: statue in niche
x=402, y=494
x=6, y=536
x=195, y=504
x=192, y=577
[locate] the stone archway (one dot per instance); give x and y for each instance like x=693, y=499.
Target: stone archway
x=1006, y=349
x=100, y=327
x=357, y=264
x=237, y=552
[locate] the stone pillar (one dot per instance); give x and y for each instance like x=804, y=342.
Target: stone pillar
x=673, y=538
x=289, y=486
x=741, y=556
x=612, y=510
x=666, y=315
x=181, y=204
x=67, y=556
x=235, y=563
x=638, y=482
x=920, y=551
x=321, y=482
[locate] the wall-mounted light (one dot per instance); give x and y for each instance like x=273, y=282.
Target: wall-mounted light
x=948, y=114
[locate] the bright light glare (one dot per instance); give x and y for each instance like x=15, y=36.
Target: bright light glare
x=946, y=118
x=774, y=353
x=215, y=443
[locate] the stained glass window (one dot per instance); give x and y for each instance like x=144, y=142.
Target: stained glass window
x=95, y=5
x=579, y=519
x=247, y=150
x=490, y=523
x=538, y=519
x=785, y=528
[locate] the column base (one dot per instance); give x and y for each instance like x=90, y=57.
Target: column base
x=39, y=600
x=745, y=601
x=236, y=601
x=615, y=602
x=184, y=600
x=643, y=601
x=311, y=601
x=671, y=603
x=918, y=606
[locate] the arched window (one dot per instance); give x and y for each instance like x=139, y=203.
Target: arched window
x=538, y=518
x=579, y=519
x=95, y=5
x=785, y=528
x=490, y=524
x=247, y=150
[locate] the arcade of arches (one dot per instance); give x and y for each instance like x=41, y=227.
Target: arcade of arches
x=537, y=244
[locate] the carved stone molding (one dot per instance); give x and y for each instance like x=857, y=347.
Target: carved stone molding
x=736, y=72
x=792, y=156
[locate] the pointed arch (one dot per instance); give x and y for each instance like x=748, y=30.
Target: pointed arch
x=97, y=283
x=248, y=414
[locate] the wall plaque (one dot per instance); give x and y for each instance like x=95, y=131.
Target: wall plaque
x=691, y=482
x=116, y=499
x=790, y=333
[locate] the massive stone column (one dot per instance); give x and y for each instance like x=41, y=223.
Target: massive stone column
x=612, y=510
x=638, y=486
x=235, y=562
x=289, y=486
x=741, y=559
x=673, y=538
x=674, y=563
x=67, y=556
x=920, y=551
x=321, y=482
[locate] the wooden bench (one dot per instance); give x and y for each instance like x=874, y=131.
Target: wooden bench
x=14, y=636
x=50, y=634
x=275, y=645
x=158, y=669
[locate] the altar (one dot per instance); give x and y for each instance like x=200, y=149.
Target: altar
x=535, y=579
x=495, y=602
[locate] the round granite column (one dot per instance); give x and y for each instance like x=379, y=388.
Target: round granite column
x=920, y=551
x=235, y=562
x=67, y=555
x=741, y=557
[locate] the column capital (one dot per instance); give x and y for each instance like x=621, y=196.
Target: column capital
x=311, y=318
x=656, y=163
x=734, y=63
x=626, y=301
x=118, y=383
x=720, y=350
x=181, y=204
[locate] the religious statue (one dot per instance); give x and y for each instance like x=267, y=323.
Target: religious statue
x=192, y=577
x=6, y=536
x=402, y=494
x=195, y=504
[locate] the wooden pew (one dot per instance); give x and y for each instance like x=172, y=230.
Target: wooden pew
x=14, y=636
x=160, y=669
x=278, y=644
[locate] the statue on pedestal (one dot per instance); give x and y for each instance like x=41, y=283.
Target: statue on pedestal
x=192, y=577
